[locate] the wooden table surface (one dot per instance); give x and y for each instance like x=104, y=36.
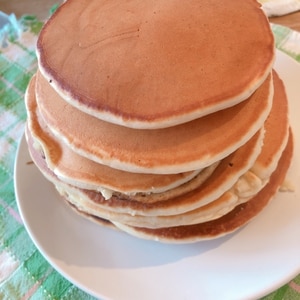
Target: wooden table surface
x=41, y=9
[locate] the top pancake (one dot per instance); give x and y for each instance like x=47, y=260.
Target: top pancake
x=154, y=64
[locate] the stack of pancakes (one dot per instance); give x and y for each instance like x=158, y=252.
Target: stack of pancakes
x=164, y=119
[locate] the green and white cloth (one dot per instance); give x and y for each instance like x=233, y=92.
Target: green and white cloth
x=24, y=273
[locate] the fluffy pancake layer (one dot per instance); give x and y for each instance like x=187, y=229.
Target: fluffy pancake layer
x=192, y=145
x=156, y=64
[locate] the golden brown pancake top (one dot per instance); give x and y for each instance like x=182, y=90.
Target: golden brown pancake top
x=154, y=64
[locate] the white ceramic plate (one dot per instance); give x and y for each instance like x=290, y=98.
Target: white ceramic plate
x=250, y=263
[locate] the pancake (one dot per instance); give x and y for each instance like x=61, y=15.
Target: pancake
x=182, y=148
x=224, y=204
x=147, y=64
x=229, y=223
x=84, y=173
